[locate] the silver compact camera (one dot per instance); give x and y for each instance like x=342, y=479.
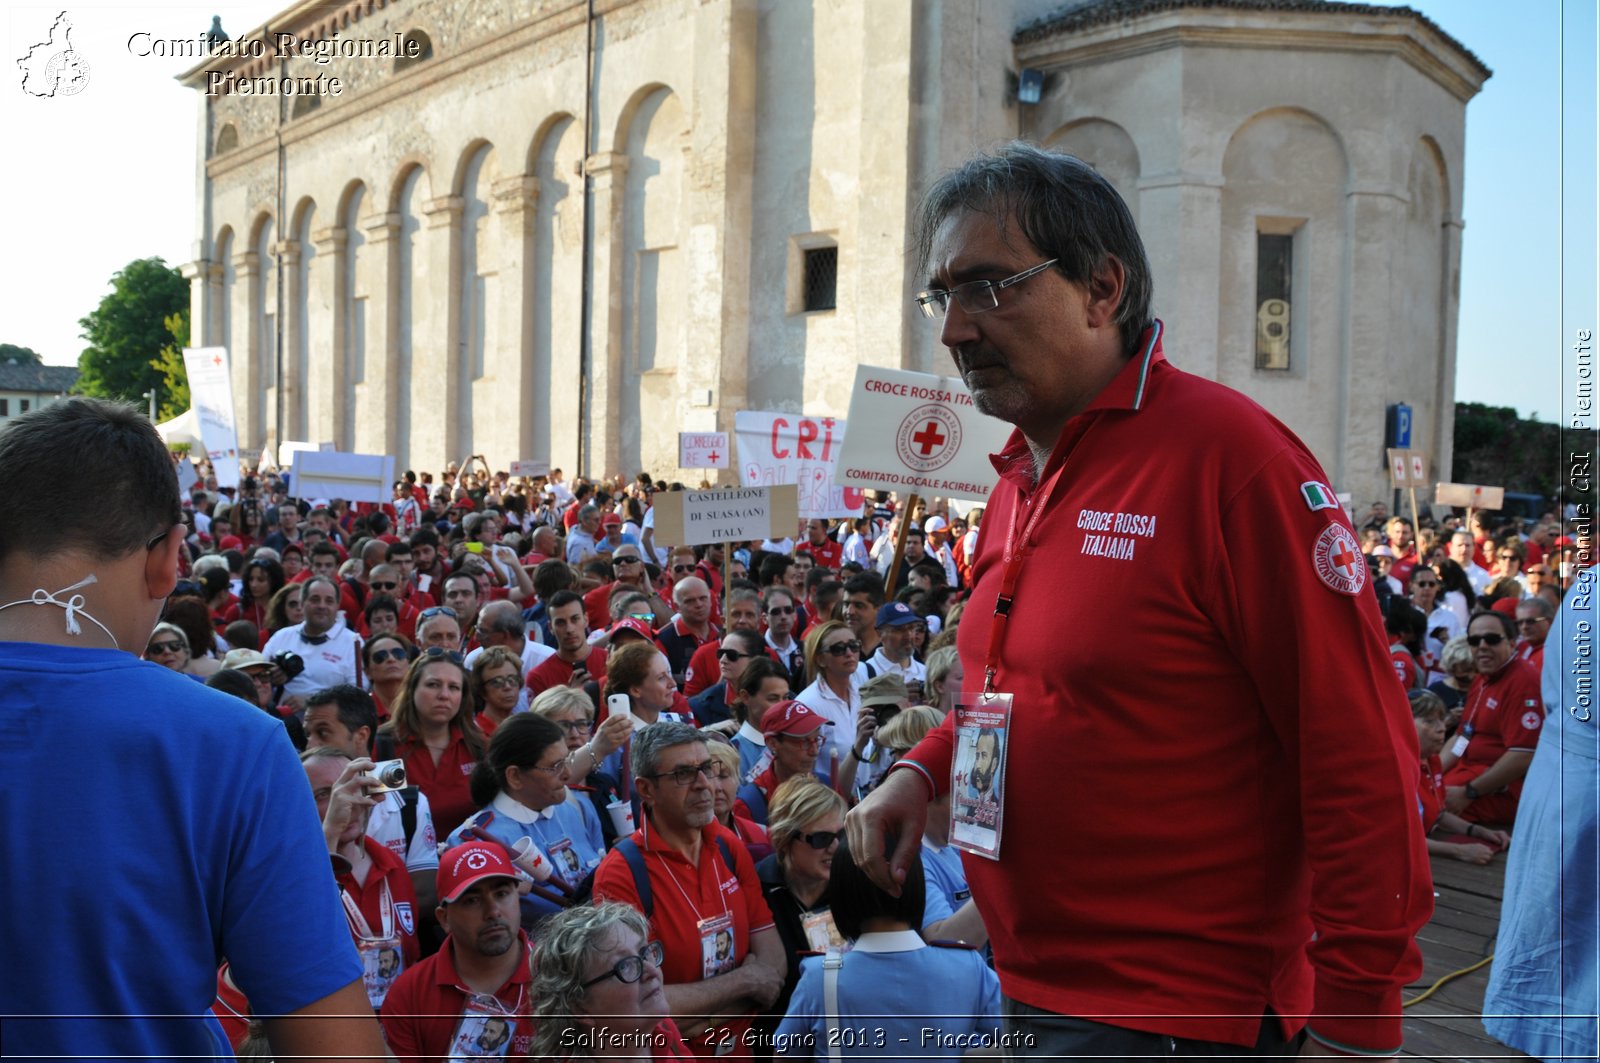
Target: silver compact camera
x=389, y=775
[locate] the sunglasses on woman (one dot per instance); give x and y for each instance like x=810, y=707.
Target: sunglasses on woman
x=821, y=839
x=398, y=653
x=841, y=649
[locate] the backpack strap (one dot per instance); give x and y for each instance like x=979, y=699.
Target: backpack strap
x=641, y=876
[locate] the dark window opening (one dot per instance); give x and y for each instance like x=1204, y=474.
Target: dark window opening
x=5, y=407
x=22, y=405
x=228, y=139
x=1274, y=272
x=822, y=278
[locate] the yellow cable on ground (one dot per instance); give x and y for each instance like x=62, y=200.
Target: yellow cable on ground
x=1452, y=976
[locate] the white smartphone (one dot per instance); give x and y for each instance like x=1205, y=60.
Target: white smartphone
x=622, y=705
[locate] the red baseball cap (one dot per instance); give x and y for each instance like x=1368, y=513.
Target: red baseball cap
x=1507, y=606
x=638, y=627
x=466, y=865
x=230, y=542
x=610, y=520
x=790, y=718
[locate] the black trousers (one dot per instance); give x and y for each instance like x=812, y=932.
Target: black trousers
x=1032, y=1033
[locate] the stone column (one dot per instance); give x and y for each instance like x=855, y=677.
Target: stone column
x=375, y=413
x=1444, y=426
x=1180, y=214
x=289, y=383
x=504, y=425
x=328, y=360
x=607, y=173
x=1374, y=215
x=436, y=335
x=201, y=301
x=247, y=351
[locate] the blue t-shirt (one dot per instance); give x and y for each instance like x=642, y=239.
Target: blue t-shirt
x=153, y=827
x=885, y=1003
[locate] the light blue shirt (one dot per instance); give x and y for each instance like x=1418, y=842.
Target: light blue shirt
x=887, y=986
x=568, y=833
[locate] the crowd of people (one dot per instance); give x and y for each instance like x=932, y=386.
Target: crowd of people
x=490, y=763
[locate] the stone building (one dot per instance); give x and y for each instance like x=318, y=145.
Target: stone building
x=26, y=386
x=570, y=229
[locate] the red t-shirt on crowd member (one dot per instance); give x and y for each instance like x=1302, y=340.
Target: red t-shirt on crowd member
x=1297, y=751
x=386, y=868
x=555, y=672
x=685, y=893
x=1430, y=792
x=1504, y=712
x=597, y=606
x=426, y=1002
x=829, y=555
x=446, y=783
x=1405, y=665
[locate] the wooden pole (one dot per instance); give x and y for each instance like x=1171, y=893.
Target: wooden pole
x=899, y=549
x=727, y=583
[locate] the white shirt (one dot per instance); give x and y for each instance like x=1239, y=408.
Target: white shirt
x=533, y=655
x=840, y=731
x=386, y=827
x=579, y=543
x=328, y=663
x=855, y=549
x=778, y=546
x=1478, y=576
x=913, y=671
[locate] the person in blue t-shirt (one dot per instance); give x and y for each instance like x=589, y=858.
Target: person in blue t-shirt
x=198, y=840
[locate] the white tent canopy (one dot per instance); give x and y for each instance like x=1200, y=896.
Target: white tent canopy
x=184, y=428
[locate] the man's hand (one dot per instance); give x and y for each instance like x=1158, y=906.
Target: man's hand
x=763, y=982
x=580, y=676
x=1456, y=799
x=894, y=814
x=866, y=727
x=610, y=735
x=348, y=800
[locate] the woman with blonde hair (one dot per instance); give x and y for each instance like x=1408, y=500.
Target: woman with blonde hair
x=597, y=989
x=434, y=731
x=572, y=711
x=833, y=657
x=945, y=674
x=725, y=782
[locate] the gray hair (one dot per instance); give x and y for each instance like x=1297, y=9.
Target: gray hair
x=503, y=618
x=207, y=562
x=650, y=743
x=1455, y=652
x=588, y=510
x=1062, y=206
x=165, y=628
x=560, y=955
x=562, y=699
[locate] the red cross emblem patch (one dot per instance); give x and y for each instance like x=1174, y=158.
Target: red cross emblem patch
x=1338, y=561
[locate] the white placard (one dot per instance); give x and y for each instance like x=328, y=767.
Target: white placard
x=211, y=397
x=290, y=447
x=530, y=468
x=1470, y=496
x=916, y=432
x=187, y=476
x=792, y=448
x=725, y=515
x=702, y=450
x=352, y=477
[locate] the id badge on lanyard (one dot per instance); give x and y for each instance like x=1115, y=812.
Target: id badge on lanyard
x=977, y=773
x=716, y=945
x=381, y=957
x=484, y=1029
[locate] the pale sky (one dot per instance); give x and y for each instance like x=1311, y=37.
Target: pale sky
x=99, y=178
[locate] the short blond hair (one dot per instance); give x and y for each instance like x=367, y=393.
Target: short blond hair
x=562, y=699
x=800, y=800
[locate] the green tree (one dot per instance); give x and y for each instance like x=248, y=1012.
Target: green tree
x=9, y=351
x=1494, y=446
x=174, y=390
x=127, y=331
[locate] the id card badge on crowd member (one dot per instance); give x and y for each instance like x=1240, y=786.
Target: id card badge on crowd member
x=484, y=1031
x=978, y=772
x=381, y=958
x=716, y=945
x=822, y=932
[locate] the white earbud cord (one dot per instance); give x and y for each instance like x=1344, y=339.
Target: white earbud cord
x=73, y=606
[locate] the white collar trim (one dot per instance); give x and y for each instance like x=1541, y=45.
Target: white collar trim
x=506, y=805
x=890, y=941
x=746, y=731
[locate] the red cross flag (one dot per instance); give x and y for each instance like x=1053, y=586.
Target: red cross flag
x=918, y=433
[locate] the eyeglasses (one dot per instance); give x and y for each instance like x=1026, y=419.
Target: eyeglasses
x=552, y=770
x=1477, y=640
x=683, y=568
x=502, y=682
x=396, y=654
x=579, y=727
x=780, y=610
x=733, y=655
x=1506, y=557
x=648, y=618
x=844, y=649
x=389, y=586
x=685, y=775
x=812, y=739
x=1529, y=621
x=821, y=839
x=437, y=610
x=1537, y=570
x=975, y=297
x=164, y=647
x=439, y=653
x=630, y=969
x=625, y=560
x=1425, y=583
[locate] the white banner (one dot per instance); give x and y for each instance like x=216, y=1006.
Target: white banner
x=530, y=468
x=726, y=515
x=791, y=448
x=916, y=432
x=702, y=450
x=352, y=477
x=211, y=397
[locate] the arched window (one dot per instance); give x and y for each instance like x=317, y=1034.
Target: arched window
x=227, y=139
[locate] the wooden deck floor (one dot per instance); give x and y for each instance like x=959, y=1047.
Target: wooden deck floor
x=1447, y=1026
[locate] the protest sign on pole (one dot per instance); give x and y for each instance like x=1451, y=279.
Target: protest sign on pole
x=918, y=433
x=1473, y=496
x=702, y=450
x=791, y=448
x=725, y=514
x=352, y=477
x=211, y=397
x=530, y=468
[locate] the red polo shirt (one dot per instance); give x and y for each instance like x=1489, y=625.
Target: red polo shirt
x=555, y=671
x=386, y=867
x=1294, y=745
x=1430, y=792
x=425, y=1003
x=685, y=893
x=1505, y=712
x=829, y=555
x=446, y=783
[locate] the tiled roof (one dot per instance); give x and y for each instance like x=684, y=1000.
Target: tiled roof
x=46, y=379
x=1084, y=15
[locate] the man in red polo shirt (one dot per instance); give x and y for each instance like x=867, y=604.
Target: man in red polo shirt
x=744, y=614
x=824, y=551
x=697, y=902
x=1500, y=725
x=691, y=629
x=628, y=565
x=465, y=998
x=1533, y=625
x=575, y=661
x=1303, y=895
